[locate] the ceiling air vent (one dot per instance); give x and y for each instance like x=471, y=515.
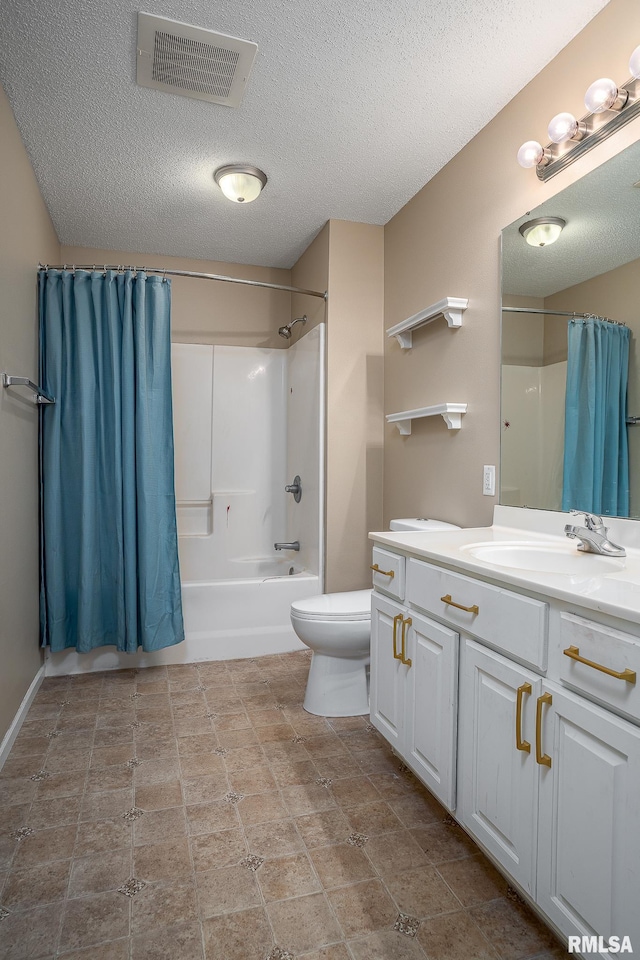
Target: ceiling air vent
x=192, y=62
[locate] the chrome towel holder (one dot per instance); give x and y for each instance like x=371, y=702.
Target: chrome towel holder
x=40, y=395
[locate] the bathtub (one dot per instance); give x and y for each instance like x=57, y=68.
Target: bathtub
x=223, y=620
x=226, y=619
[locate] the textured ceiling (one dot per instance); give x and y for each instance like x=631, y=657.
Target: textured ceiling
x=602, y=211
x=351, y=107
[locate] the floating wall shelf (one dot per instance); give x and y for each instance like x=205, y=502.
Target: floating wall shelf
x=451, y=413
x=451, y=308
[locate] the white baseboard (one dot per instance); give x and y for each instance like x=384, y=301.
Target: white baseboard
x=20, y=716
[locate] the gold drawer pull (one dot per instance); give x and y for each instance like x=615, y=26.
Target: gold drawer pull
x=473, y=609
x=403, y=652
x=396, y=655
x=520, y=743
x=543, y=758
x=574, y=654
x=384, y=573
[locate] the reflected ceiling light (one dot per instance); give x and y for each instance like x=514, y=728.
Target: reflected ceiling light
x=542, y=231
x=610, y=107
x=240, y=182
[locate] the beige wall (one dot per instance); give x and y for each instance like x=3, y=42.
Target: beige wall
x=347, y=260
x=445, y=242
x=26, y=236
x=522, y=333
x=354, y=401
x=207, y=311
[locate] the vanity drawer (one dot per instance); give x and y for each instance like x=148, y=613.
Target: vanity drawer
x=605, y=649
x=389, y=576
x=505, y=620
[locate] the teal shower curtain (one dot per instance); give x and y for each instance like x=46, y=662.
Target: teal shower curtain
x=596, y=458
x=109, y=557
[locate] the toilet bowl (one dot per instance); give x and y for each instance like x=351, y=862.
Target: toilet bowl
x=337, y=628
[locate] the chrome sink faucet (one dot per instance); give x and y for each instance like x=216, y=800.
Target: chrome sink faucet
x=593, y=536
x=287, y=546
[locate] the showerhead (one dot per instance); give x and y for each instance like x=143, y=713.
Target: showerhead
x=286, y=330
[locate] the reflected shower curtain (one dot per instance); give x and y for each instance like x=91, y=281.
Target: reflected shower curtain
x=596, y=458
x=109, y=555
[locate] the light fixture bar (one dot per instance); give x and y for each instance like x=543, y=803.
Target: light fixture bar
x=599, y=129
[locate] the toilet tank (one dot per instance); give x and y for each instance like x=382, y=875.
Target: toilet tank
x=421, y=523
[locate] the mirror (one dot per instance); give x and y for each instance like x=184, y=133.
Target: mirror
x=593, y=268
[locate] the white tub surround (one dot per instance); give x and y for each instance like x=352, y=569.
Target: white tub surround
x=504, y=670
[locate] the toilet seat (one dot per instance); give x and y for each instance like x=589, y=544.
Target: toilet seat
x=346, y=606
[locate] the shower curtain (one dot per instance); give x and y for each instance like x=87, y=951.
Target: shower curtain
x=109, y=558
x=596, y=458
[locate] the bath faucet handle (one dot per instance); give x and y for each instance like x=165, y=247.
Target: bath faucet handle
x=295, y=488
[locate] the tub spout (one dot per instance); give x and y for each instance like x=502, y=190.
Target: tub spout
x=287, y=546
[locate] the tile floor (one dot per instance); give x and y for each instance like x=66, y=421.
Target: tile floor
x=198, y=813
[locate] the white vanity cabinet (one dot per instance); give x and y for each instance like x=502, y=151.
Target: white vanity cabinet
x=498, y=774
x=588, y=869
x=413, y=695
x=541, y=765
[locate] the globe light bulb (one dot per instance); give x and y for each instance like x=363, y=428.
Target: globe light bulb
x=634, y=63
x=563, y=126
x=601, y=95
x=530, y=154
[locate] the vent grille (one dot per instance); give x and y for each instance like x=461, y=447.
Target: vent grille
x=178, y=58
x=194, y=66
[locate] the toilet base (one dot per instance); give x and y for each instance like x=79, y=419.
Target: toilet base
x=337, y=686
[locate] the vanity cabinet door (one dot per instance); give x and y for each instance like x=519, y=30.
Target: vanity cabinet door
x=432, y=705
x=388, y=673
x=497, y=774
x=589, y=824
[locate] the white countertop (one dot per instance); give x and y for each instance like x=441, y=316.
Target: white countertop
x=616, y=593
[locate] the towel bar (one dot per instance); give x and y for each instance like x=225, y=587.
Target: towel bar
x=41, y=396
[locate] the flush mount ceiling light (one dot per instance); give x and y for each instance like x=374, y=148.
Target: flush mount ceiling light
x=240, y=182
x=610, y=107
x=542, y=231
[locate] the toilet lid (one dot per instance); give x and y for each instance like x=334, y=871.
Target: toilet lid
x=350, y=605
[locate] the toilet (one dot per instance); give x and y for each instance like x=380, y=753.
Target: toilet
x=337, y=628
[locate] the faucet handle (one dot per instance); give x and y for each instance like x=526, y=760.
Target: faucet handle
x=591, y=520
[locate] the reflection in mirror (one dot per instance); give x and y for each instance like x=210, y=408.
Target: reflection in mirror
x=592, y=269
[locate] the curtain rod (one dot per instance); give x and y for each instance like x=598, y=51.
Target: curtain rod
x=184, y=273
x=561, y=313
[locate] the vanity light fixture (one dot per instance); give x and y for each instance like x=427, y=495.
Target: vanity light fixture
x=610, y=107
x=542, y=231
x=240, y=182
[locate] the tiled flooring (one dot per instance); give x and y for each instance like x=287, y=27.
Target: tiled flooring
x=194, y=812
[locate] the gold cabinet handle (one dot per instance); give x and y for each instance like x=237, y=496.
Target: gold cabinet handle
x=384, y=573
x=473, y=609
x=396, y=655
x=574, y=654
x=543, y=758
x=403, y=652
x=520, y=743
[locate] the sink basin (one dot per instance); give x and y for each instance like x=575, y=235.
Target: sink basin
x=544, y=558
